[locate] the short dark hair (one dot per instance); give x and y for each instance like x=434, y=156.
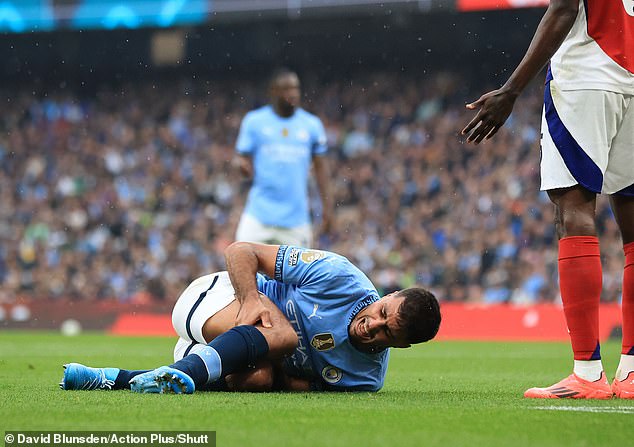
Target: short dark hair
x=419, y=314
x=280, y=72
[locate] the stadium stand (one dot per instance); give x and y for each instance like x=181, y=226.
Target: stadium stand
x=127, y=194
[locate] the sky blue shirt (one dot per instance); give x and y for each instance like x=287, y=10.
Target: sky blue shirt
x=320, y=293
x=282, y=151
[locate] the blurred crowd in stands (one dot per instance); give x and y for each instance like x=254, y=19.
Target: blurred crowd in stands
x=129, y=193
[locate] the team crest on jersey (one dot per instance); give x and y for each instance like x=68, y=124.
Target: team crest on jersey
x=331, y=374
x=323, y=342
x=303, y=135
x=309, y=256
x=293, y=257
x=285, y=132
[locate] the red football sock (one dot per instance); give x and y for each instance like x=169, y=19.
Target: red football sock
x=580, y=281
x=628, y=300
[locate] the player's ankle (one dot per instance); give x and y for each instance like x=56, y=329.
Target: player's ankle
x=626, y=366
x=589, y=370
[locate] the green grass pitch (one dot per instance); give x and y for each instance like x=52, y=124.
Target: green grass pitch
x=439, y=394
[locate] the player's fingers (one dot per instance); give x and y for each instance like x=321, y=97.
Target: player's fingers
x=475, y=133
x=244, y=318
x=493, y=132
x=483, y=131
x=478, y=102
x=472, y=124
x=266, y=319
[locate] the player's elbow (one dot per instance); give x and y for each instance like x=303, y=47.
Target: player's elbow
x=236, y=247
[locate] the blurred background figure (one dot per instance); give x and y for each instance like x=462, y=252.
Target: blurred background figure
x=276, y=145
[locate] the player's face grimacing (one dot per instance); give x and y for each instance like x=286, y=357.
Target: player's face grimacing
x=378, y=327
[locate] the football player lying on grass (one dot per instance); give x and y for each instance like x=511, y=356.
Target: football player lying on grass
x=280, y=317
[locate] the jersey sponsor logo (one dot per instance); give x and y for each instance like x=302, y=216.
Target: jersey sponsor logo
x=285, y=152
x=293, y=256
x=331, y=374
x=309, y=256
x=629, y=7
x=323, y=342
x=300, y=356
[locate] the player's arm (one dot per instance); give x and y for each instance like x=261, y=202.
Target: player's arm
x=496, y=106
x=244, y=260
x=245, y=145
x=321, y=167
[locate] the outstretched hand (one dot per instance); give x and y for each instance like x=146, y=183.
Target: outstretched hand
x=253, y=311
x=494, y=109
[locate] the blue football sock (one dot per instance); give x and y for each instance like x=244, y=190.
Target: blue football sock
x=218, y=385
x=194, y=366
x=235, y=350
x=124, y=376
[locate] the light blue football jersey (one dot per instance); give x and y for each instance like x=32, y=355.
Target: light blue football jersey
x=320, y=293
x=282, y=151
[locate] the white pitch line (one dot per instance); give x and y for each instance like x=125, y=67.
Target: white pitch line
x=621, y=410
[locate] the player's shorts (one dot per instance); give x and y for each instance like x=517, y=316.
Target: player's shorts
x=252, y=230
x=200, y=301
x=588, y=139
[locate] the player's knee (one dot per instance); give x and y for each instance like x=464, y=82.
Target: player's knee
x=290, y=340
x=574, y=211
x=576, y=224
x=282, y=341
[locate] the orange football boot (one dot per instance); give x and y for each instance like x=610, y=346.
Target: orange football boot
x=624, y=389
x=574, y=387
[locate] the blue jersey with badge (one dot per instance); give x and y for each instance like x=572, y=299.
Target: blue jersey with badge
x=320, y=293
x=282, y=151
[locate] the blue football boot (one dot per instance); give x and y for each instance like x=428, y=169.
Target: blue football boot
x=163, y=380
x=80, y=377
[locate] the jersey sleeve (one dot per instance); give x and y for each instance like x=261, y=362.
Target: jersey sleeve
x=305, y=267
x=245, y=143
x=319, y=146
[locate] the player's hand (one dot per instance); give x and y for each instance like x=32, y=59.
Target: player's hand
x=244, y=165
x=253, y=311
x=494, y=109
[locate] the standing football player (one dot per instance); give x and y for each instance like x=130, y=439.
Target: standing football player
x=587, y=149
x=275, y=148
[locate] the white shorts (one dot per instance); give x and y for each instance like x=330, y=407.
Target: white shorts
x=200, y=301
x=588, y=139
x=252, y=230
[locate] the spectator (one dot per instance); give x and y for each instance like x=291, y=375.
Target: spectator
x=104, y=198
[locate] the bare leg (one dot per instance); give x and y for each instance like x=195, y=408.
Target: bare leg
x=574, y=211
x=281, y=338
